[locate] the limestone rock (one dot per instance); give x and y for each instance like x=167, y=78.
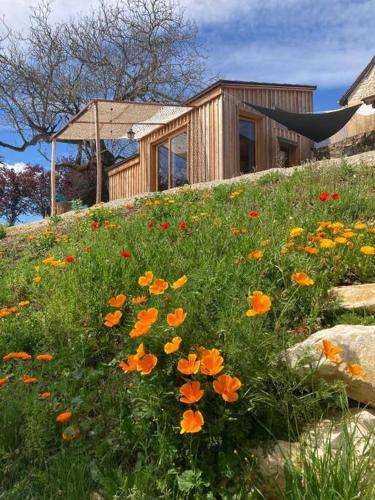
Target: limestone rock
x=358, y=345
x=356, y=296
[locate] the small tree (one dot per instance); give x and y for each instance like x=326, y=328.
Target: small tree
x=37, y=188
x=13, y=194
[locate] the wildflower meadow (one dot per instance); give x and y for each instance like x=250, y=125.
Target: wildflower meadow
x=141, y=349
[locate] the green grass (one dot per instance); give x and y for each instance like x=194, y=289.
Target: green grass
x=130, y=445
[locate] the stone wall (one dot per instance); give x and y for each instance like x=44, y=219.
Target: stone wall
x=365, y=88
x=347, y=147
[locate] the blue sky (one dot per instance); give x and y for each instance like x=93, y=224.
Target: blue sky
x=323, y=42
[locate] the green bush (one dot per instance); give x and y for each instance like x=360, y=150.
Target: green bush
x=3, y=232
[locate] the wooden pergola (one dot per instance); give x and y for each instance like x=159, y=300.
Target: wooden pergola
x=101, y=120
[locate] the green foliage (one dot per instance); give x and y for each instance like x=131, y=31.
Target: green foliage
x=76, y=204
x=130, y=445
x=3, y=232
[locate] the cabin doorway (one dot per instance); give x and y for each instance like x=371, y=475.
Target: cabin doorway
x=247, y=146
x=287, y=154
x=172, y=162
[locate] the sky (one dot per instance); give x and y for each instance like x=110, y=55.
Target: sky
x=322, y=42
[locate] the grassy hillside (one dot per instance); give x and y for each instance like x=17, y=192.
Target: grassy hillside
x=123, y=439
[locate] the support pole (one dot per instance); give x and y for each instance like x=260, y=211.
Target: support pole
x=98, y=157
x=53, y=178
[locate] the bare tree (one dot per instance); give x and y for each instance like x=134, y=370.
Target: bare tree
x=131, y=50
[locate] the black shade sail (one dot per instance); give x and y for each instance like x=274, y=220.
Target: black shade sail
x=314, y=126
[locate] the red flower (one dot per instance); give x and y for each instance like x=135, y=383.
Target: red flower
x=69, y=259
x=164, y=226
x=182, y=225
x=335, y=196
x=88, y=249
x=95, y=225
x=125, y=254
x=129, y=207
x=150, y=225
x=324, y=196
x=253, y=215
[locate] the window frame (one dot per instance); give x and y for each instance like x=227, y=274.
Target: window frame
x=259, y=138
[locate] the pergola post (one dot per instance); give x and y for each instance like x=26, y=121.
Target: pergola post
x=98, y=157
x=53, y=178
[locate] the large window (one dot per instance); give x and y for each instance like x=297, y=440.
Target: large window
x=172, y=162
x=247, y=146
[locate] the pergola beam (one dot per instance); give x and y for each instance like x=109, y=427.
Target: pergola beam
x=53, y=177
x=98, y=156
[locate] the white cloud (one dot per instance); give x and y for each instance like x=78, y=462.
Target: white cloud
x=18, y=167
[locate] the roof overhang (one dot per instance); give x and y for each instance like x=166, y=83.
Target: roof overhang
x=116, y=118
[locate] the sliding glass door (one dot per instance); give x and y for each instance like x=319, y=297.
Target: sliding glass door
x=247, y=146
x=172, y=162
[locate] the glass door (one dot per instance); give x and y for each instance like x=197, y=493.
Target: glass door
x=247, y=146
x=172, y=162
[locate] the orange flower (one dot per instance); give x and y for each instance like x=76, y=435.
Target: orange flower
x=139, y=300
x=211, y=362
x=177, y=318
x=64, y=417
x=117, y=301
x=180, y=282
x=29, y=380
x=45, y=395
x=158, y=287
x=355, y=371
x=191, y=392
x=17, y=355
x=146, y=364
x=24, y=303
x=37, y=280
x=311, y=250
x=227, y=386
x=131, y=364
x=192, y=421
x=113, y=319
x=260, y=304
x=188, y=366
x=173, y=346
x=70, y=436
x=148, y=316
x=255, y=255
x=330, y=352
x=139, y=329
x=302, y=279
x=146, y=278
x=3, y=381
x=44, y=357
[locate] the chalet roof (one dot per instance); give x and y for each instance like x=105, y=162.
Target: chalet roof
x=116, y=118
x=242, y=83
x=344, y=99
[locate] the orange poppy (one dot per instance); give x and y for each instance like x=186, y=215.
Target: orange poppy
x=29, y=380
x=146, y=364
x=180, y=282
x=44, y=357
x=45, y=395
x=148, y=316
x=3, y=381
x=128, y=366
x=158, y=287
x=355, y=371
x=192, y=421
x=117, y=301
x=177, y=318
x=211, y=362
x=113, y=319
x=191, y=392
x=260, y=304
x=24, y=303
x=311, y=250
x=188, y=366
x=139, y=300
x=139, y=329
x=255, y=255
x=330, y=352
x=17, y=355
x=226, y=386
x=70, y=436
x=37, y=280
x=146, y=279
x=302, y=279
x=173, y=346
x=64, y=417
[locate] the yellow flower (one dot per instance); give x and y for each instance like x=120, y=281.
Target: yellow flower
x=341, y=240
x=265, y=243
x=348, y=234
x=327, y=243
x=368, y=250
x=37, y=280
x=180, y=282
x=295, y=232
x=360, y=226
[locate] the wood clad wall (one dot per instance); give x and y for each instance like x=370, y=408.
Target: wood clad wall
x=204, y=125
x=296, y=99
x=126, y=180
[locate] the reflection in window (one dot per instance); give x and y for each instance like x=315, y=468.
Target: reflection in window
x=247, y=146
x=172, y=162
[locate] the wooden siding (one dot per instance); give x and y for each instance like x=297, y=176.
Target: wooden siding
x=126, y=180
x=267, y=130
